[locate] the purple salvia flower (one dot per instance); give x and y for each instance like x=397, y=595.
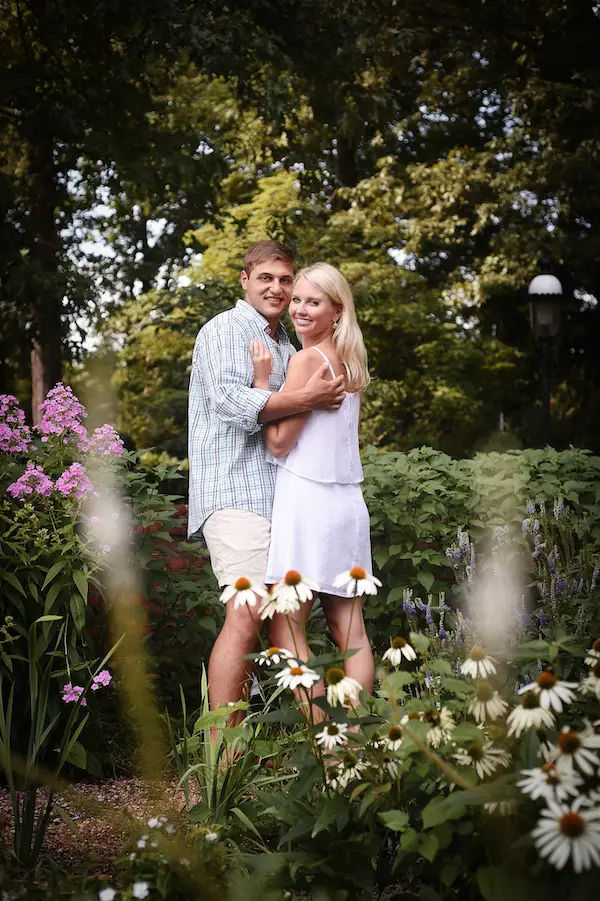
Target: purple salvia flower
x=543, y=618
x=530, y=507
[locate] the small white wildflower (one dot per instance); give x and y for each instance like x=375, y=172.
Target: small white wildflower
x=332, y=735
x=140, y=890
x=357, y=581
x=398, y=649
x=153, y=823
x=211, y=836
x=478, y=664
x=107, y=894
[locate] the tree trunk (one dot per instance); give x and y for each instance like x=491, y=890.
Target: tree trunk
x=45, y=305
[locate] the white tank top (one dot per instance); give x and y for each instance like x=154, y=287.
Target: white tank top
x=327, y=449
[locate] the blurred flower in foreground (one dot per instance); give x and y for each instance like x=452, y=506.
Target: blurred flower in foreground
x=357, y=581
x=478, y=664
x=566, y=831
x=551, y=691
x=244, y=592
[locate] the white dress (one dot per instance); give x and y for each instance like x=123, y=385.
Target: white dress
x=320, y=523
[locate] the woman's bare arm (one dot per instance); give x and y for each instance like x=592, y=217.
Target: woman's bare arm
x=281, y=436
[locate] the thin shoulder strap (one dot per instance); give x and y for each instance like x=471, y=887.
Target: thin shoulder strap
x=326, y=358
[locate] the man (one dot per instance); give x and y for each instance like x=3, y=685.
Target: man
x=231, y=482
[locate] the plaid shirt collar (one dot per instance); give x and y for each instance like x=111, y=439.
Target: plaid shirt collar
x=248, y=312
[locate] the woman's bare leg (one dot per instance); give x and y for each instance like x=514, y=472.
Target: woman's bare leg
x=345, y=620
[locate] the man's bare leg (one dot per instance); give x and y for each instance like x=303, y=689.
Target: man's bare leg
x=228, y=673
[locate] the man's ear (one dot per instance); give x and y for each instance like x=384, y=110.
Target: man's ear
x=244, y=279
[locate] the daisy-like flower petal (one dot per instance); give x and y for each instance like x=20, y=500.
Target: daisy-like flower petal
x=487, y=704
x=340, y=687
x=576, y=749
x=591, y=684
x=332, y=736
x=295, y=674
x=273, y=604
x=442, y=724
x=398, y=649
x=478, y=664
x=293, y=588
x=393, y=737
x=565, y=831
x=244, y=591
x=273, y=656
x=551, y=691
x=593, y=653
x=483, y=756
x=357, y=582
x=548, y=782
x=529, y=714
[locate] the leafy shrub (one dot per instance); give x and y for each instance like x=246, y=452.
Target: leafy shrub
x=417, y=500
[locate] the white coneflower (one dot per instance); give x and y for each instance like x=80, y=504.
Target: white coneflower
x=270, y=605
x=273, y=656
x=483, y=756
x=442, y=724
x=293, y=587
x=393, y=737
x=579, y=749
x=340, y=687
x=377, y=740
x=565, y=831
x=551, y=691
x=390, y=766
x=244, y=592
x=335, y=778
x=357, y=581
x=487, y=704
x=294, y=674
x=332, y=735
x=478, y=665
x=352, y=766
x=529, y=714
x=399, y=648
x=593, y=653
x=548, y=782
x=591, y=684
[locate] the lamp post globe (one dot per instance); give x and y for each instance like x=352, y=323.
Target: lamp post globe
x=545, y=292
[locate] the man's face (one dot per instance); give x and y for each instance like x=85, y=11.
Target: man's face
x=268, y=288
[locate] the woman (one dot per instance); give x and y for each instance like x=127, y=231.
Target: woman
x=320, y=523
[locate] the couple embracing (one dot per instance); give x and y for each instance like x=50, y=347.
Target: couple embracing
x=275, y=470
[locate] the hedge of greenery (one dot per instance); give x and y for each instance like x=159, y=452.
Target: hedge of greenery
x=418, y=500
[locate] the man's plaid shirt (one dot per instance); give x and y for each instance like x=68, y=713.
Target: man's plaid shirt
x=227, y=453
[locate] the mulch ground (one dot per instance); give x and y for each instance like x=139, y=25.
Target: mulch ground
x=108, y=817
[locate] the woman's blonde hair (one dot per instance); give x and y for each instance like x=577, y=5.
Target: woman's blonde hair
x=347, y=336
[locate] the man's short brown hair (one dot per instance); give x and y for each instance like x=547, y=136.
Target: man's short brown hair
x=268, y=250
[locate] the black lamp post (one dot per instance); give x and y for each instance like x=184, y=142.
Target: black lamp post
x=545, y=292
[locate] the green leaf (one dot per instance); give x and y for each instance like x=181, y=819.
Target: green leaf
x=428, y=846
x=441, y=666
x=396, y=820
x=467, y=732
x=77, y=756
x=419, y=642
x=457, y=687
x=52, y=596
x=54, y=571
x=64, y=815
x=77, y=608
x=81, y=581
x=12, y=580
x=426, y=579
x=439, y=811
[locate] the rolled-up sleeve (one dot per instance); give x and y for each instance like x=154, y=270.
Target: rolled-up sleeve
x=223, y=362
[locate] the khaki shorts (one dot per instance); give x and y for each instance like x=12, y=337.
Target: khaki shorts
x=238, y=544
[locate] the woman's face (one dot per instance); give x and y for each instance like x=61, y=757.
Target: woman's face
x=312, y=312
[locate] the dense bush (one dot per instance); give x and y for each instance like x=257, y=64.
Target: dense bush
x=418, y=500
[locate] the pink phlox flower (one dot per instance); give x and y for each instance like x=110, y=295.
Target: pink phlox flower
x=74, y=481
x=105, y=441
x=103, y=678
x=15, y=436
x=73, y=693
x=33, y=479
x=62, y=415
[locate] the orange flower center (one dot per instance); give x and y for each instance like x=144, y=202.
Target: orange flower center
x=546, y=679
x=398, y=643
x=572, y=824
x=272, y=651
x=414, y=716
x=596, y=645
x=485, y=692
x=569, y=742
x=292, y=577
x=551, y=773
x=296, y=670
x=477, y=653
x=334, y=675
x=530, y=701
x=242, y=584
x=357, y=572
